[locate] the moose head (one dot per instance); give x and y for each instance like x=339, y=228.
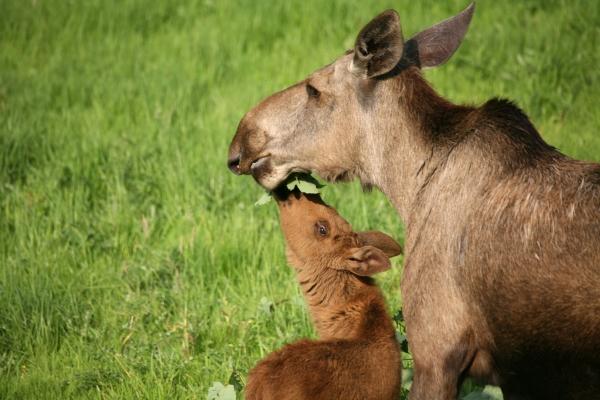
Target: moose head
x=333, y=122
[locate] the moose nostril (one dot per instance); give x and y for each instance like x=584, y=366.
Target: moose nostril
x=234, y=164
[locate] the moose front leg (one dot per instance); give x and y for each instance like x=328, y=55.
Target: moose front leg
x=439, y=368
x=431, y=383
x=440, y=336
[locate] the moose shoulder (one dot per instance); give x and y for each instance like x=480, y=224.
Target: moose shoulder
x=502, y=254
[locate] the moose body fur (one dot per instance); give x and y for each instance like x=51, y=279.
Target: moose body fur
x=502, y=251
x=357, y=355
x=502, y=248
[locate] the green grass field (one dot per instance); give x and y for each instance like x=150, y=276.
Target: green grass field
x=132, y=263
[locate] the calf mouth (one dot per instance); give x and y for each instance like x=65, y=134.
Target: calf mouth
x=281, y=193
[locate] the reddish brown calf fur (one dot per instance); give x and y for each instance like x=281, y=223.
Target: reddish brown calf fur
x=357, y=356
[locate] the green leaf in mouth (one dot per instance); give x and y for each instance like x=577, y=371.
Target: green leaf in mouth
x=303, y=182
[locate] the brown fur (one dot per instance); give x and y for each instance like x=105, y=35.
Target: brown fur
x=502, y=267
x=357, y=356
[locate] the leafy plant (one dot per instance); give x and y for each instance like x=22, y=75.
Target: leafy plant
x=486, y=393
x=218, y=391
x=266, y=306
x=237, y=380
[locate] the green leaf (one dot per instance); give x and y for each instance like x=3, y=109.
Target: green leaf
x=305, y=183
x=402, y=341
x=218, y=391
x=292, y=184
x=236, y=380
x=264, y=199
x=308, y=187
x=493, y=391
x=486, y=393
x=478, y=396
x=399, y=317
x=266, y=306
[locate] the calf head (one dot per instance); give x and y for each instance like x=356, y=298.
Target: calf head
x=328, y=123
x=318, y=238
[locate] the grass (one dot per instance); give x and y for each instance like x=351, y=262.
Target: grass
x=132, y=263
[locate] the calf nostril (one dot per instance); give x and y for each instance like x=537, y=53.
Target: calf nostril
x=234, y=164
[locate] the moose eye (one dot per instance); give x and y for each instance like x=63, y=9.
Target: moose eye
x=322, y=228
x=312, y=91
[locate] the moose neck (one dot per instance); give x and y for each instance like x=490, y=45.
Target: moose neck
x=411, y=139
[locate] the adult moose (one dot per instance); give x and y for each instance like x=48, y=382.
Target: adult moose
x=502, y=251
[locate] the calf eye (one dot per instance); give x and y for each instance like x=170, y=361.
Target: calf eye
x=322, y=228
x=312, y=91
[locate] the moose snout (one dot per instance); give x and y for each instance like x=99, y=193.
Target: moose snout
x=241, y=162
x=233, y=163
x=247, y=147
x=234, y=157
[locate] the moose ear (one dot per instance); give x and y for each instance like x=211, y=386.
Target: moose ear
x=367, y=260
x=436, y=44
x=379, y=45
x=380, y=240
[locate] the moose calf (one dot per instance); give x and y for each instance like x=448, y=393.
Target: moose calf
x=357, y=356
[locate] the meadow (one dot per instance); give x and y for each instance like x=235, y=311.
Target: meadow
x=133, y=264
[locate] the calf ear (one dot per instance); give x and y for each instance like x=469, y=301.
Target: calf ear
x=367, y=260
x=380, y=240
x=379, y=45
x=436, y=44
